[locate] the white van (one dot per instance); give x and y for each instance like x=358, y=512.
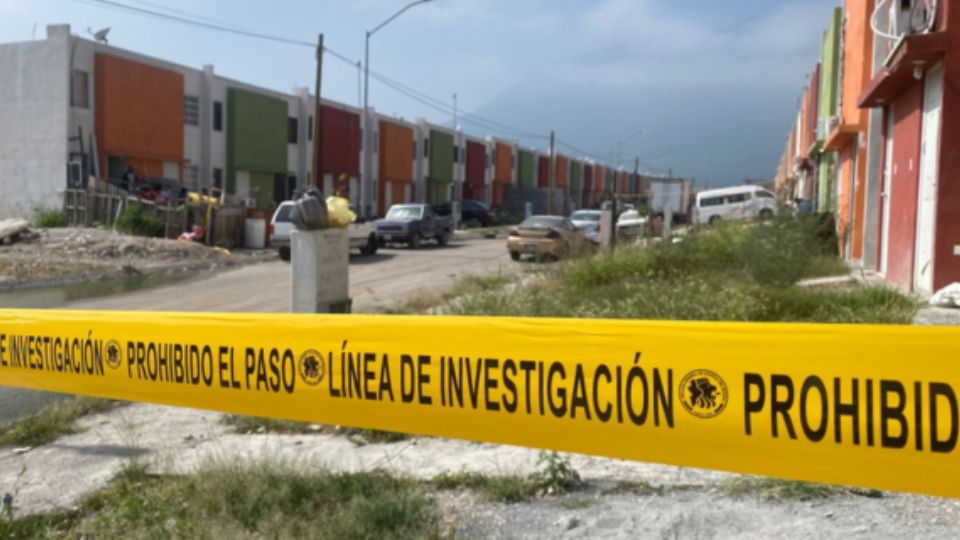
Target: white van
x=741, y=202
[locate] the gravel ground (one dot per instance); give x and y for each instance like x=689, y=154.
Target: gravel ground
x=693, y=503
x=70, y=255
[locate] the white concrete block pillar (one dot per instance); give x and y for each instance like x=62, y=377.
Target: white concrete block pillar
x=320, y=264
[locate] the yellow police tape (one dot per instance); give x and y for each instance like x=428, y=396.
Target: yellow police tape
x=870, y=406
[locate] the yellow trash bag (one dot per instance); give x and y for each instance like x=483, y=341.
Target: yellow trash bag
x=339, y=213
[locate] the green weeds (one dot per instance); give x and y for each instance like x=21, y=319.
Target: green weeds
x=54, y=421
x=242, y=501
x=732, y=272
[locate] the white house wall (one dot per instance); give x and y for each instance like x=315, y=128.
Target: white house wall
x=34, y=102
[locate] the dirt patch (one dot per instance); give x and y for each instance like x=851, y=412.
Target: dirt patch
x=70, y=255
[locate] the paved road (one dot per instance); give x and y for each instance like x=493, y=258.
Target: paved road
x=376, y=283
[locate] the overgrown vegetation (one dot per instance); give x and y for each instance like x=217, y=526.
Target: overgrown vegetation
x=466, y=286
x=54, y=421
x=259, y=500
x=776, y=490
x=259, y=424
x=50, y=218
x=140, y=223
x=554, y=476
x=732, y=272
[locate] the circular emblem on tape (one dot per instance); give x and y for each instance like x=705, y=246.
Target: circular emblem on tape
x=114, y=354
x=311, y=367
x=703, y=393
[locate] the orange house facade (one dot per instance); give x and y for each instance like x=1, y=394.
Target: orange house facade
x=848, y=134
x=139, y=118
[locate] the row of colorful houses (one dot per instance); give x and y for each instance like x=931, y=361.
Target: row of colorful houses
x=72, y=108
x=876, y=141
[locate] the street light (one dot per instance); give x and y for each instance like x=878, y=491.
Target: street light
x=367, y=136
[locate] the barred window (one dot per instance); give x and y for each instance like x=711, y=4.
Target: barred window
x=191, y=110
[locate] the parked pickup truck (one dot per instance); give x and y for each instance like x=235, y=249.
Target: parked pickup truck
x=363, y=235
x=411, y=224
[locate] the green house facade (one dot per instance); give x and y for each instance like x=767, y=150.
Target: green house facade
x=576, y=179
x=440, y=175
x=525, y=176
x=829, y=101
x=256, y=146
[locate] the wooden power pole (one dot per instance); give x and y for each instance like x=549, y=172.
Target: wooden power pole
x=553, y=173
x=317, y=147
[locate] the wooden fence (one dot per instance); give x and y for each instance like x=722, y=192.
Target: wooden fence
x=87, y=208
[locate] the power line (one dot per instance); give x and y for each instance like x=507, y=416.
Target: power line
x=184, y=17
x=199, y=23
x=445, y=108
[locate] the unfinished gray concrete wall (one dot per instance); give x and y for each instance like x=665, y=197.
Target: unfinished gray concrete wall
x=34, y=109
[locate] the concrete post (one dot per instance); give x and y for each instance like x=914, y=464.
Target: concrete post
x=667, y=222
x=606, y=227
x=320, y=271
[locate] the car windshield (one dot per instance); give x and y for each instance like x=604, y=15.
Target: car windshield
x=405, y=212
x=585, y=216
x=542, y=222
x=283, y=213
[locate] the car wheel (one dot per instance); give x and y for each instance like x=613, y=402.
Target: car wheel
x=371, y=247
x=474, y=223
x=414, y=242
x=443, y=239
x=515, y=255
x=766, y=214
x=714, y=220
x=284, y=253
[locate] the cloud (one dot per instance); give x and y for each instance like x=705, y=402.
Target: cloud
x=639, y=42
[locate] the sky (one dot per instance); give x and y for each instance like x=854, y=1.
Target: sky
x=698, y=88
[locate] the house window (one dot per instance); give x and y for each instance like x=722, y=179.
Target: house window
x=190, y=175
x=456, y=153
x=218, y=178
x=310, y=129
x=217, y=116
x=426, y=148
x=80, y=89
x=292, y=130
x=191, y=110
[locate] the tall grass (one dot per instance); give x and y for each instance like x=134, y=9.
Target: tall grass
x=50, y=218
x=242, y=500
x=139, y=223
x=732, y=272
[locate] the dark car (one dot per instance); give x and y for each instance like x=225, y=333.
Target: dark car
x=472, y=213
x=411, y=223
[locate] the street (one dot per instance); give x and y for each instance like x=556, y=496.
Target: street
x=376, y=283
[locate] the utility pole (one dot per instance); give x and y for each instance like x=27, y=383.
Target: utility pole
x=637, y=188
x=553, y=173
x=454, y=111
x=317, y=147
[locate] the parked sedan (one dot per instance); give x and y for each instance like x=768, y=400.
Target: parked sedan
x=361, y=234
x=631, y=224
x=585, y=219
x=544, y=236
